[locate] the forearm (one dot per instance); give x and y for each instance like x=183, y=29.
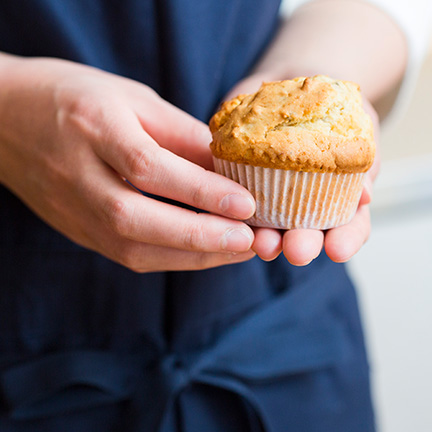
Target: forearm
x=346, y=39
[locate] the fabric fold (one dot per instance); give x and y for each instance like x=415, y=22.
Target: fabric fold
x=284, y=337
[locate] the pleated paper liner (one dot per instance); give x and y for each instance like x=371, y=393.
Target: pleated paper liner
x=289, y=199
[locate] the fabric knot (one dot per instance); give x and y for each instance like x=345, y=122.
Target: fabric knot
x=173, y=374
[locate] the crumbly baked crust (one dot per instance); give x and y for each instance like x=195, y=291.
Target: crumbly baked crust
x=313, y=124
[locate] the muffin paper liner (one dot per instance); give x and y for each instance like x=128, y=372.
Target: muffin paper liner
x=294, y=199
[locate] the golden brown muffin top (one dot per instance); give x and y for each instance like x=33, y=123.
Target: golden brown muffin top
x=306, y=124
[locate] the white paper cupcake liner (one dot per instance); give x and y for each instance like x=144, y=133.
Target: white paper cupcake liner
x=289, y=199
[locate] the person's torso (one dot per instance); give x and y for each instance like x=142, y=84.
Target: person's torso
x=73, y=324
x=191, y=52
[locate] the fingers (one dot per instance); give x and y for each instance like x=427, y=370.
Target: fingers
x=186, y=137
x=371, y=175
x=172, y=128
x=366, y=196
x=267, y=244
x=301, y=246
x=139, y=159
x=343, y=242
x=143, y=219
x=130, y=215
x=143, y=258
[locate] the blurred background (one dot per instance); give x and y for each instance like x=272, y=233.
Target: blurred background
x=393, y=271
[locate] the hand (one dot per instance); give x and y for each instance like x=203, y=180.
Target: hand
x=301, y=246
x=77, y=143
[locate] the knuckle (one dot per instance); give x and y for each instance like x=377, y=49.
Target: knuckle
x=140, y=162
x=118, y=214
x=76, y=106
x=151, y=92
x=200, y=194
x=81, y=115
x=131, y=263
x=83, y=104
x=132, y=258
x=194, y=237
x=205, y=260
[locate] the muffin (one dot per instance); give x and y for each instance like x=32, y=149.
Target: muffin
x=301, y=147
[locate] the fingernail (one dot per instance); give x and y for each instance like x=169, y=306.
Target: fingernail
x=238, y=206
x=236, y=240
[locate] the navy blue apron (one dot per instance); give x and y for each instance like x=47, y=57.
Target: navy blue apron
x=87, y=345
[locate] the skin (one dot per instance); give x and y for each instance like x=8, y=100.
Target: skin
x=72, y=135
x=345, y=39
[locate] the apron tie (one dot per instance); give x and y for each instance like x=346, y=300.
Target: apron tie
x=286, y=336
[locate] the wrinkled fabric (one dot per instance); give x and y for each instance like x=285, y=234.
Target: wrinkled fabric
x=87, y=345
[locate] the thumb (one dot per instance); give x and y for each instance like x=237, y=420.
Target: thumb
x=172, y=128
